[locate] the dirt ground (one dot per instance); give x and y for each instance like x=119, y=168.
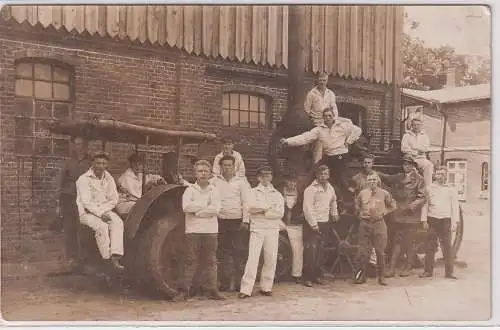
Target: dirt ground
x=75, y=298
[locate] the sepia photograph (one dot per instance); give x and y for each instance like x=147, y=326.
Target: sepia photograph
x=246, y=162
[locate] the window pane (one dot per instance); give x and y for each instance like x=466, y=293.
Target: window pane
x=225, y=101
x=462, y=165
x=61, y=147
x=24, y=70
x=233, y=118
x=254, y=120
x=254, y=103
x=24, y=87
x=42, y=71
x=61, y=110
x=262, y=120
x=61, y=74
x=244, y=101
x=41, y=128
x=43, y=109
x=234, y=101
x=225, y=117
x=451, y=165
x=43, y=90
x=24, y=146
x=262, y=102
x=24, y=106
x=23, y=127
x=42, y=147
x=451, y=177
x=244, y=120
x=61, y=91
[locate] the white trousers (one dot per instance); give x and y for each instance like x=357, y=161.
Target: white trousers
x=297, y=243
x=427, y=168
x=124, y=207
x=266, y=239
x=108, y=235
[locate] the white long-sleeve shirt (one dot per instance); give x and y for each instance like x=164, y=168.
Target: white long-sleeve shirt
x=334, y=139
x=415, y=145
x=319, y=203
x=132, y=183
x=94, y=195
x=239, y=165
x=443, y=202
x=201, y=206
x=269, y=200
x=234, y=195
x=316, y=102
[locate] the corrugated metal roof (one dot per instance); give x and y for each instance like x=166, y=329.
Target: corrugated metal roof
x=451, y=94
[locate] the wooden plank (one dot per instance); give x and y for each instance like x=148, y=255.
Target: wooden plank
x=180, y=30
x=307, y=50
x=172, y=21
x=331, y=39
x=153, y=22
x=365, y=44
x=284, y=47
x=207, y=29
x=112, y=20
x=215, y=34
x=315, y=38
x=19, y=13
x=379, y=43
x=389, y=43
x=224, y=31
x=239, y=51
x=101, y=20
x=398, y=56
x=354, y=45
x=198, y=30
x=256, y=33
x=247, y=33
x=272, y=34
x=122, y=21
x=137, y=23
x=371, y=49
x=32, y=15
x=45, y=15
x=232, y=32
x=91, y=18
x=279, y=37
x=132, y=28
x=343, y=42
x=73, y=18
x=263, y=35
x=57, y=17
x=189, y=24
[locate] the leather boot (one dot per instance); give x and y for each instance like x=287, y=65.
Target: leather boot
x=381, y=269
x=394, y=259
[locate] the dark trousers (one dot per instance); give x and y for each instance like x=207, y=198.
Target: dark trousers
x=201, y=254
x=371, y=234
x=337, y=166
x=404, y=241
x=439, y=229
x=232, y=252
x=71, y=225
x=314, y=250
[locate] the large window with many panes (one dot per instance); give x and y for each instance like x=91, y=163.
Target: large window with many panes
x=244, y=110
x=44, y=92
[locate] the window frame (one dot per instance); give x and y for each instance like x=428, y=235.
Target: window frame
x=229, y=109
x=485, y=176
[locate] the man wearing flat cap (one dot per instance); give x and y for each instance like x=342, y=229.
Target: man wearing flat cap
x=318, y=99
x=130, y=183
x=97, y=196
x=410, y=194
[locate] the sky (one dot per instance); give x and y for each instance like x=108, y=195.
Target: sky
x=467, y=28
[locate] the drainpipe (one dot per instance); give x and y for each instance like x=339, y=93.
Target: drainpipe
x=443, y=137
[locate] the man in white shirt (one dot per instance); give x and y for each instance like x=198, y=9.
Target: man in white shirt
x=336, y=135
x=96, y=198
x=233, y=239
x=443, y=208
x=201, y=204
x=227, y=150
x=415, y=143
x=318, y=99
x=320, y=210
x=266, y=209
x=130, y=184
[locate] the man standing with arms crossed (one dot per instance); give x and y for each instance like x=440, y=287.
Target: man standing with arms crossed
x=320, y=203
x=233, y=239
x=266, y=209
x=372, y=204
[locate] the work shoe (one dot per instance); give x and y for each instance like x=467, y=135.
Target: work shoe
x=425, y=275
x=405, y=272
x=296, y=279
x=308, y=284
x=451, y=277
x=115, y=263
x=242, y=295
x=181, y=296
x=382, y=281
x=266, y=293
x=318, y=281
x=360, y=280
x=216, y=296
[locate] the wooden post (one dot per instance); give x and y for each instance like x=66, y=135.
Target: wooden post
x=296, y=57
x=443, y=137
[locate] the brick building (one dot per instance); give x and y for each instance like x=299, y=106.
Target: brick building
x=213, y=68
x=458, y=121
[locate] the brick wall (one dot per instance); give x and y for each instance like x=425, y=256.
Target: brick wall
x=137, y=84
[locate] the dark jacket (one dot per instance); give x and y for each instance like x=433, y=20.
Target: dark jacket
x=294, y=215
x=409, y=192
